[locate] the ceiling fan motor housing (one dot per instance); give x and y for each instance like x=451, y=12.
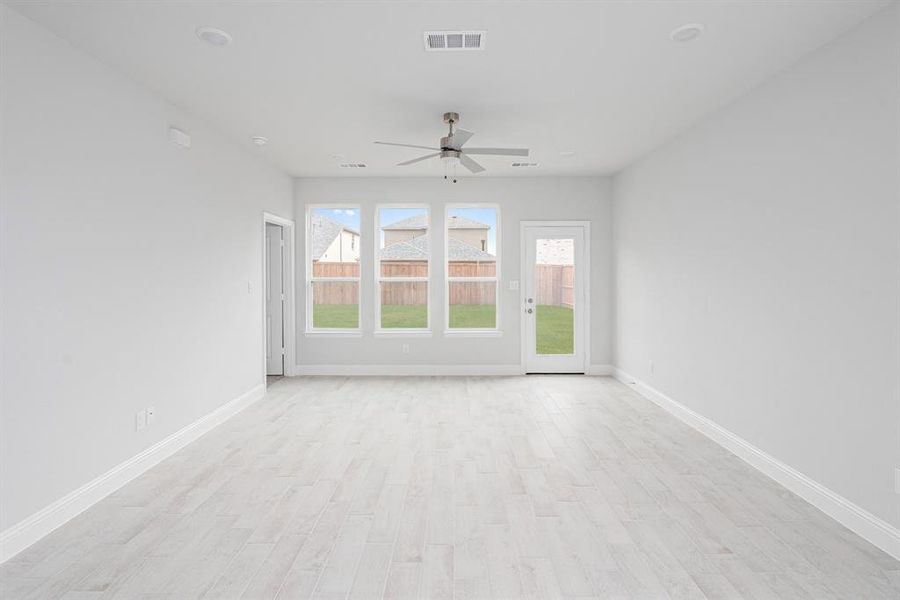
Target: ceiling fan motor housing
x=448, y=143
x=451, y=117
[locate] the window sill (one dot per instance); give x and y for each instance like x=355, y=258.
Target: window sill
x=473, y=333
x=400, y=333
x=333, y=333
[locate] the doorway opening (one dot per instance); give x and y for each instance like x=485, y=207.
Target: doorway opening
x=278, y=322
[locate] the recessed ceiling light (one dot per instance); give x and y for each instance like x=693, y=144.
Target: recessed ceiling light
x=567, y=153
x=687, y=32
x=213, y=36
x=259, y=140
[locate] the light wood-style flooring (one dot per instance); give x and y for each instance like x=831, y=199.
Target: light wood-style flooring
x=451, y=487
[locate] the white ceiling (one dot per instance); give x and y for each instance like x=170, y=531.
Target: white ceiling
x=602, y=79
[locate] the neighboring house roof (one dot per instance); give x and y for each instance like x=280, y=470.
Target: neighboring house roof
x=324, y=230
x=417, y=249
x=421, y=222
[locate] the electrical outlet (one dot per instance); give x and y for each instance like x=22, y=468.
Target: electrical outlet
x=405, y=348
x=249, y=287
x=151, y=415
x=140, y=420
x=513, y=284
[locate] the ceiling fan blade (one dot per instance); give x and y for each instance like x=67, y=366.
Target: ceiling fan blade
x=499, y=151
x=470, y=164
x=460, y=137
x=407, y=145
x=415, y=160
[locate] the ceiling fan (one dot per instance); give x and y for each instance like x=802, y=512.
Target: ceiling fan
x=452, y=153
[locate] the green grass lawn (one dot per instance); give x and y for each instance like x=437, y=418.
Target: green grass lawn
x=344, y=316
x=473, y=316
x=404, y=316
x=555, y=330
x=555, y=324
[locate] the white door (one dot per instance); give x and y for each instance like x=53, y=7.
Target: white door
x=554, y=308
x=274, y=299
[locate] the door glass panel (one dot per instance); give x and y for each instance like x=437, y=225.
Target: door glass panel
x=554, y=287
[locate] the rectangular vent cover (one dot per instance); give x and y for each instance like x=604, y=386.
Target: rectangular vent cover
x=454, y=40
x=525, y=164
x=353, y=165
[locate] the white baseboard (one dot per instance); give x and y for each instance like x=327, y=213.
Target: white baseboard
x=26, y=532
x=408, y=370
x=853, y=517
x=600, y=370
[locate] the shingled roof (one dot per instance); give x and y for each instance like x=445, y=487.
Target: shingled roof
x=324, y=230
x=417, y=249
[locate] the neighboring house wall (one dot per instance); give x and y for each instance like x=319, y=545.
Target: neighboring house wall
x=344, y=248
x=392, y=236
x=473, y=237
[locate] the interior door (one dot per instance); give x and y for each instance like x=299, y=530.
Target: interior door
x=554, y=299
x=274, y=299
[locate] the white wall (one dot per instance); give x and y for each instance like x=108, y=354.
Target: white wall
x=756, y=263
x=125, y=264
x=572, y=198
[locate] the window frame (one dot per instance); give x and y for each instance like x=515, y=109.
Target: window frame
x=380, y=331
x=494, y=331
x=311, y=330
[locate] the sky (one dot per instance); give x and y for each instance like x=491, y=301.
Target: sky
x=347, y=216
x=350, y=218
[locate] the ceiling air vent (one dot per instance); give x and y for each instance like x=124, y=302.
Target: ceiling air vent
x=526, y=164
x=353, y=165
x=454, y=40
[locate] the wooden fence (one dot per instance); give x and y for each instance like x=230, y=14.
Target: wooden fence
x=554, y=285
x=404, y=292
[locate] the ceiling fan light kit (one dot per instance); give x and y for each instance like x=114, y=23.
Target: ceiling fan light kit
x=452, y=153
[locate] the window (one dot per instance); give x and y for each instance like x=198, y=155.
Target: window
x=332, y=295
x=472, y=267
x=402, y=268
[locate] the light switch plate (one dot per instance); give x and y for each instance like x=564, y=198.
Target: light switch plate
x=151, y=415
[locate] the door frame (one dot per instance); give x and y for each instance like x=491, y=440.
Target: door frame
x=586, y=320
x=287, y=266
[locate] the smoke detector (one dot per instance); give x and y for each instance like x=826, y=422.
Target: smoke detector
x=454, y=41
